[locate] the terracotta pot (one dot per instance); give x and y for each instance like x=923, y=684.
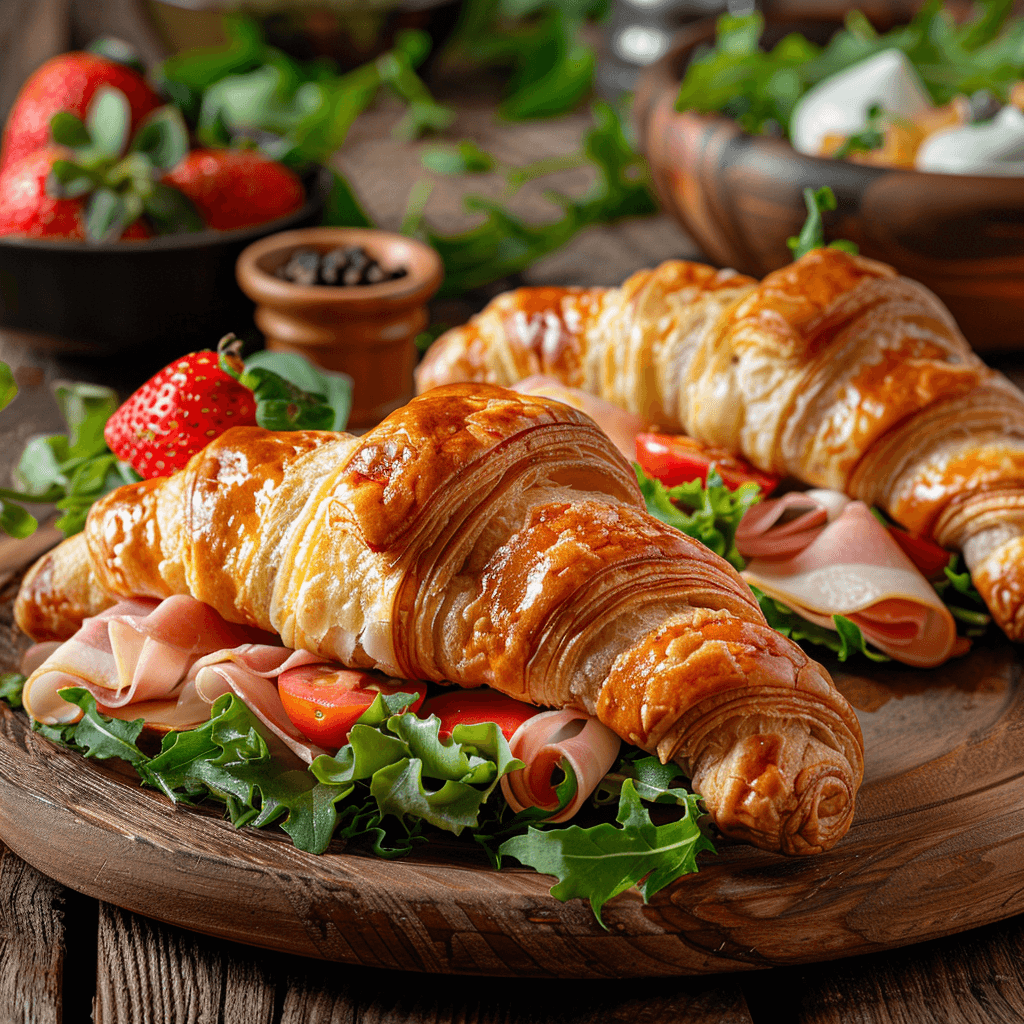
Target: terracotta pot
x=741, y=197
x=366, y=331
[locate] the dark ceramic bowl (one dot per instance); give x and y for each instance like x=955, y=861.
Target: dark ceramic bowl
x=160, y=297
x=741, y=196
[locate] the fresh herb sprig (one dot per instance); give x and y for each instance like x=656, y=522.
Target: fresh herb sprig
x=812, y=234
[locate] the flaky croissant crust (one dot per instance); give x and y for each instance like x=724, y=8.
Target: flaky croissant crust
x=481, y=537
x=834, y=370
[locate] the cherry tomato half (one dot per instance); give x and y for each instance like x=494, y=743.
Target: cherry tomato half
x=676, y=459
x=925, y=554
x=324, y=701
x=469, y=707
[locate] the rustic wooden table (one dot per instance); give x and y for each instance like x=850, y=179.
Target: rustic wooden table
x=65, y=956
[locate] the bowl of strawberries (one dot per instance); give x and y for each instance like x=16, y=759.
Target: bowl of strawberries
x=118, y=232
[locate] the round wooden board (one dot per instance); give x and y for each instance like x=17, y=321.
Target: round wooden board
x=937, y=847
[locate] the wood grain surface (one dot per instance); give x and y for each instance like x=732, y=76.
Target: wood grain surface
x=936, y=848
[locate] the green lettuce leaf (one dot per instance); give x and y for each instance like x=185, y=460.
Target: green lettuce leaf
x=599, y=862
x=709, y=513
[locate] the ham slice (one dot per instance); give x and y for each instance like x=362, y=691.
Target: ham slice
x=541, y=742
x=620, y=426
x=136, y=652
x=854, y=568
x=249, y=673
x=782, y=527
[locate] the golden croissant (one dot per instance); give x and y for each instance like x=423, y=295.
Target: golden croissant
x=477, y=536
x=834, y=370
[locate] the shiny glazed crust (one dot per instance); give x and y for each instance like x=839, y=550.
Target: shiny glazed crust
x=478, y=536
x=834, y=370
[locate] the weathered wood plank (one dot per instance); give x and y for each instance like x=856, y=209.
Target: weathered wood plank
x=32, y=943
x=347, y=996
x=973, y=978
x=148, y=973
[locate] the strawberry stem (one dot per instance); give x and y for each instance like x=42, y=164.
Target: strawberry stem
x=229, y=349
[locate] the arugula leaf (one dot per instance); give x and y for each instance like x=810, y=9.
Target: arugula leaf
x=100, y=736
x=600, y=862
x=551, y=68
x=72, y=470
x=871, y=137
x=962, y=599
x=465, y=158
x=503, y=244
x=714, y=510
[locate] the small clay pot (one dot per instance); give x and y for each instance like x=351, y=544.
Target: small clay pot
x=366, y=331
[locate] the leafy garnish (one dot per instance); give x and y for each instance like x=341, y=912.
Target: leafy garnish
x=602, y=861
x=503, y=244
x=812, y=235
x=962, y=599
x=72, y=470
x=299, y=374
x=710, y=513
x=869, y=138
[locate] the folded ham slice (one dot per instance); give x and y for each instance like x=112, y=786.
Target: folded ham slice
x=542, y=742
x=854, y=568
x=784, y=526
x=136, y=653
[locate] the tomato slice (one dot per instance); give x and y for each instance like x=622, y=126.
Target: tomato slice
x=925, y=554
x=676, y=459
x=469, y=707
x=324, y=701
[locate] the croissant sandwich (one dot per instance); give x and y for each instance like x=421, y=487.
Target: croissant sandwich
x=834, y=370
x=481, y=537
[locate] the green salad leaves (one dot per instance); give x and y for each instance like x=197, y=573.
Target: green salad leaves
x=710, y=513
x=395, y=782
x=760, y=88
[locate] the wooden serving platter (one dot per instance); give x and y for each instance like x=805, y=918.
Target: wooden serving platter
x=937, y=847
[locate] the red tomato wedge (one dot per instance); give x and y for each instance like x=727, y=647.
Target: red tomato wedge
x=469, y=707
x=324, y=701
x=925, y=554
x=676, y=459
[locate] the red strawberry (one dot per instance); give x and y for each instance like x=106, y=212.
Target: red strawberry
x=28, y=210
x=68, y=82
x=234, y=188
x=180, y=410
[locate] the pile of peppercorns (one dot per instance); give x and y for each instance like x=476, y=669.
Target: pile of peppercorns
x=347, y=266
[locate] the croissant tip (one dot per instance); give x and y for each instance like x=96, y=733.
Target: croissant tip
x=754, y=796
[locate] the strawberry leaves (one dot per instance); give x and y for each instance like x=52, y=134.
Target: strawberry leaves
x=121, y=176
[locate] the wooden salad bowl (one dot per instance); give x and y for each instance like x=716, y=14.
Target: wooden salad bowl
x=741, y=196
